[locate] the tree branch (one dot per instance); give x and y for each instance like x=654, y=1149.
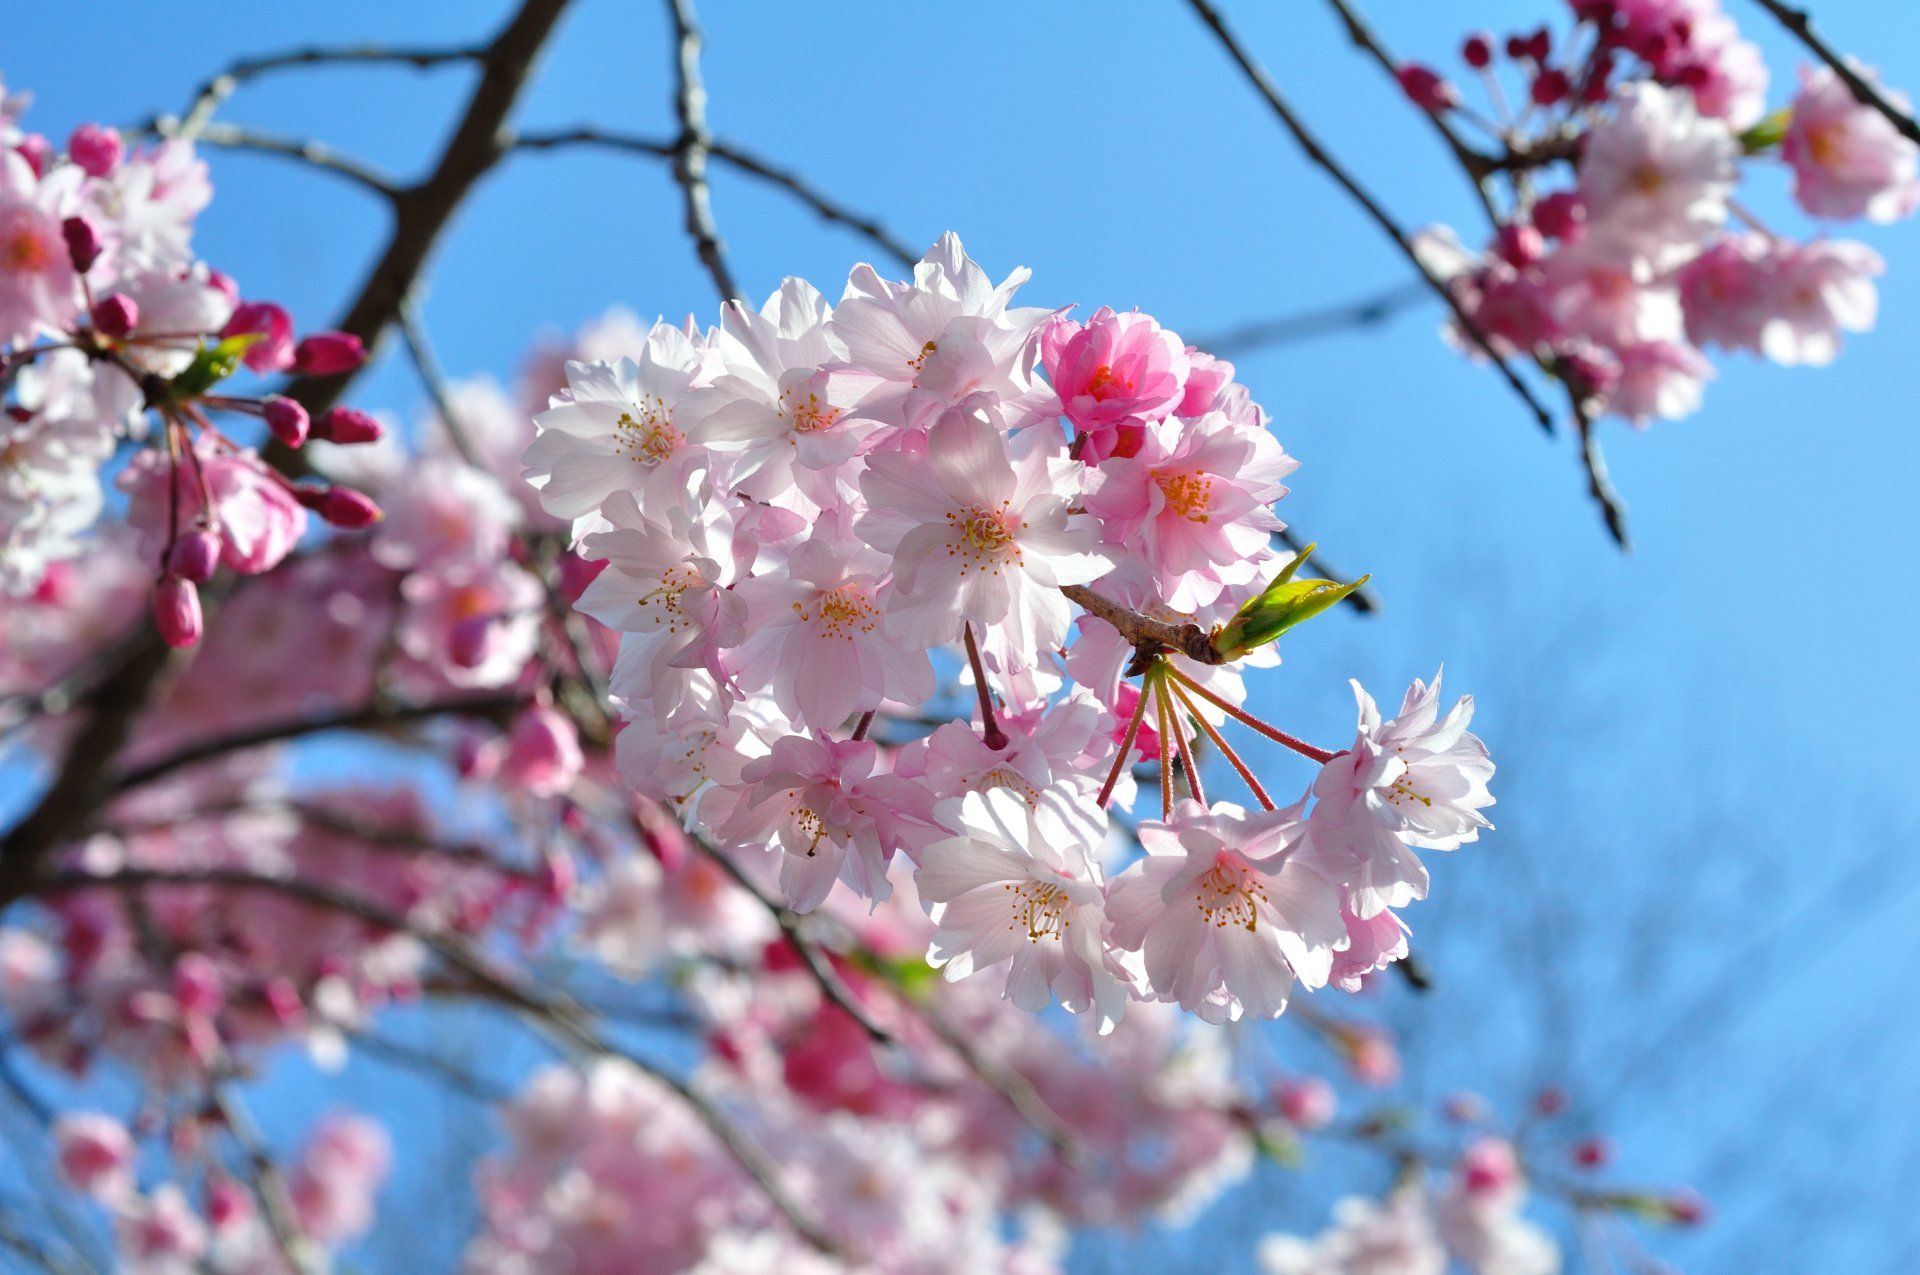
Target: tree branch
x=1315, y=152
x=1143, y=631
x=1800, y=23
x=222, y=86
x=413, y=333
x=690, y=151
x=1306, y=325
x=302, y=150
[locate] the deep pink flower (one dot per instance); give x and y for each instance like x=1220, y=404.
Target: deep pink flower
x=1112, y=370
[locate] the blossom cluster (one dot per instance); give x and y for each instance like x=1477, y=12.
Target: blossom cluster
x=1619, y=277
x=108, y=322
x=797, y=515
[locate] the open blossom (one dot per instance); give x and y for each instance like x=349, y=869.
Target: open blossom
x=257, y=518
x=1664, y=379
x=1114, y=373
x=1417, y=779
x=39, y=292
x=978, y=535
x=816, y=641
x=1022, y=884
x=830, y=815
x=1848, y=159
x=1656, y=171
x=1228, y=909
x=617, y=427
x=1395, y=1236
x=1194, y=503
x=1819, y=290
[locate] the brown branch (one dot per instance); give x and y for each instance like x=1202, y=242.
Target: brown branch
x=1287, y=329
x=691, y=149
x=1145, y=632
x=1865, y=91
x=314, y=154
x=1318, y=154
x=413, y=334
x=1613, y=510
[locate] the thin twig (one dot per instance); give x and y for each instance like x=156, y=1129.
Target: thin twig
x=269, y=1185
x=413, y=334
x=312, y=153
x=1367, y=312
x=1315, y=152
x=736, y=156
x=691, y=149
x=218, y=89
x=990, y=731
x=1593, y=462
x=1864, y=90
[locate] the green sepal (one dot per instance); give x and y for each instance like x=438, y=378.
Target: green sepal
x=1284, y=603
x=1768, y=133
x=212, y=364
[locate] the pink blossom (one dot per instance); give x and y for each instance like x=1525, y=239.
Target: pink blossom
x=1662, y=379
x=332, y=1187
x=1113, y=370
x=1656, y=172
x=1228, y=909
x=543, y=753
x=1819, y=290
x=1848, y=159
x=95, y=1153
x=39, y=292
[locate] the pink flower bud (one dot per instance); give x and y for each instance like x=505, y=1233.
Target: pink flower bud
x=197, y=985
x=329, y=354
x=1477, y=50
x=468, y=641
x=347, y=425
x=115, y=315
x=274, y=352
x=83, y=242
x=227, y=1202
x=94, y=1153
x=222, y=282
x=1592, y=1153
x=37, y=151
x=283, y=1001
x=96, y=149
x=1489, y=1167
x=1426, y=88
x=176, y=611
x=1519, y=245
x=345, y=507
x=195, y=556
x=1687, y=1207
x=1559, y=214
x=286, y=418
x=1308, y=1103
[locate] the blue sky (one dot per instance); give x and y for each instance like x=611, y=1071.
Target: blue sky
x=1696, y=910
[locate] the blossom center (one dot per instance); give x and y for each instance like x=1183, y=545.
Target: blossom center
x=1103, y=385
x=1188, y=494
x=1040, y=908
x=1230, y=893
x=840, y=612
x=650, y=437
x=24, y=251
x=806, y=414
x=985, y=538
x=919, y=361
x=1648, y=179
x=1827, y=144
x=664, y=602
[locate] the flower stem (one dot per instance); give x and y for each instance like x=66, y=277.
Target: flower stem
x=1168, y=713
x=866, y=722
x=1274, y=733
x=1126, y=748
x=990, y=731
x=1220, y=742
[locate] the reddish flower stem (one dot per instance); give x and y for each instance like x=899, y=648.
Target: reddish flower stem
x=1170, y=713
x=1220, y=742
x=1126, y=749
x=990, y=731
x=1274, y=733
x=1166, y=762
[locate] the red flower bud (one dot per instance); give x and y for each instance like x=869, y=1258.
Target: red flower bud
x=176, y=611
x=274, y=351
x=115, y=315
x=347, y=425
x=96, y=149
x=195, y=556
x=345, y=507
x=1592, y=1153
x=329, y=354
x=286, y=418
x=1477, y=51
x=1426, y=88
x=83, y=242
x=1558, y=214
x=1519, y=245
x=37, y=151
x=1687, y=1207
x=1550, y=86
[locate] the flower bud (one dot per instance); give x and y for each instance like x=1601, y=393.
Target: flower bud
x=196, y=985
x=1550, y=86
x=93, y=1153
x=1551, y=1101
x=543, y=753
x=347, y=425
x=96, y=149
x=227, y=1202
x=83, y=242
x=1519, y=244
x=176, y=611
x=1687, y=1207
x=345, y=507
x=1592, y=1153
x=195, y=556
x=115, y=315
x=467, y=641
x=1308, y=1103
x=1426, y=88
x=329, y=354
x=1477, y=50
x=37, y=151
x=274, y=351
x=1489, y=1167
x=286, y=418
x=1558, y=215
